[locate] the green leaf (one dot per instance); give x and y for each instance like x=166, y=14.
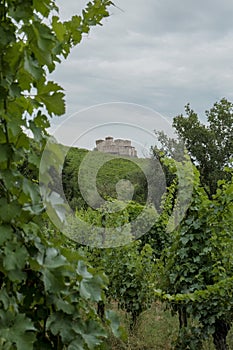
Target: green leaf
x=15, y=256
x=93, y=334
x=54, y=259
x=14, y=129
x=34, y=159
x=48, y=88
x=42, y=43
x=82, y=270
x=45, y=6
x=31, y=190
x=9, y=211
x=91, y=288
x=18, y=12
x=15, y=91
x=7, y=301
x=53, y=280
x=53, y=269
x=76, y=345
x=62, y=326
x=5, y=152
x=52, y=96
x=6, y=233
x=59, y=28
x=54, y=103
x=18, y=330
x=116, y=328
x=37, y=279
x=32, y=67
x=64, y=306
x=55, y=204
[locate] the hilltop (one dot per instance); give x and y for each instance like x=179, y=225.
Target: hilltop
x=107, y=170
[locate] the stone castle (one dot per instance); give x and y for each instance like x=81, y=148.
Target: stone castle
x=117, y=146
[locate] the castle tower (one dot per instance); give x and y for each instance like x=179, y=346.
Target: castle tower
x=117, y=146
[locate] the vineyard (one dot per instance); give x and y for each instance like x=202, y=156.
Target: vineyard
x=186, y=271
x=149, y=265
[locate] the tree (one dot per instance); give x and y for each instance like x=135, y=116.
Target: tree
x=210, y=146
x=46, y=297
x=211, y=149
x=197, y=261
x=196, y=271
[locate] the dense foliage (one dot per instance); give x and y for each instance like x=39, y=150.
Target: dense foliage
x=196, y=270
x=196, y=267
x=47, y=299
x=193, y=259
x=114, y=169
x=210, y=145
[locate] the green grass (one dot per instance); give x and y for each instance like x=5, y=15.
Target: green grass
x=156, y=329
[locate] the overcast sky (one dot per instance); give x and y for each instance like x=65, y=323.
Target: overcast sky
x=160, y=54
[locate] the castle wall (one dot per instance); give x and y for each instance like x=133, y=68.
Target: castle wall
x=118, y=146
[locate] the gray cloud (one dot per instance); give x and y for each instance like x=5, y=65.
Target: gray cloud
x=161, y=54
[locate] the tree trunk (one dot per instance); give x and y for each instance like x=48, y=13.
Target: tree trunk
x=101, y=309
x=182, y=317
x=220, y=335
